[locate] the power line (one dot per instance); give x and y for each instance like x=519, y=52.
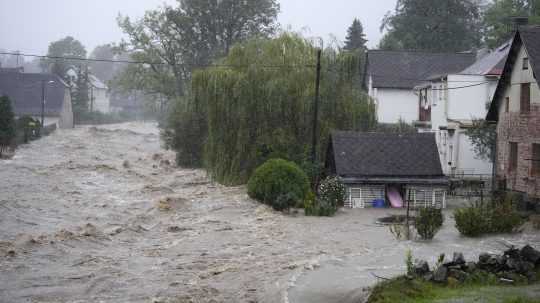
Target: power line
x=155, y=63
x=460, y=87
x=223, y=66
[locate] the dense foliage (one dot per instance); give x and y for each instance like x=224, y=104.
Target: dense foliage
x=7, y=124
x=259, y=105
x=67, y=47
x=428, y=222
x=498, y=21
x=279, y=183
x=498, y=216
x=187, y=36
x=430, y=25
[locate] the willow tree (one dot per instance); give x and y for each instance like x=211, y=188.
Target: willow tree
x=257, y=103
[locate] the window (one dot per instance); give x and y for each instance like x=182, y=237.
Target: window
x=525, y=63
x=507, y=105
x=535, y=171
x=525, y=102
x=513, y=157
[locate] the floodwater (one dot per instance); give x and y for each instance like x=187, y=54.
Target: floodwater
x=99, y=214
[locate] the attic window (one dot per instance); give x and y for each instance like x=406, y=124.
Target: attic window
x=525, y=63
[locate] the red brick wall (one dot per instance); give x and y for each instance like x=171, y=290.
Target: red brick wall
x=523, y=129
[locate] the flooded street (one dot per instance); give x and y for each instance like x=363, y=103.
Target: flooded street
x=100, y=214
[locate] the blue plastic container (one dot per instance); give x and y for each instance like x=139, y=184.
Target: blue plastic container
x=379, y=203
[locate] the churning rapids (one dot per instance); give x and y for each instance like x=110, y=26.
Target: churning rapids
x=99, y=214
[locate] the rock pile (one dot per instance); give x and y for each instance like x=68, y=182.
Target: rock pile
x=512, y=267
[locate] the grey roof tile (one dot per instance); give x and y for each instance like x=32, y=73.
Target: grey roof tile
x=407, y=69
x=24, y=91
x=361, y=155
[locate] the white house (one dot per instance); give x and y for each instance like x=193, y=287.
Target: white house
x=390, y=78
x=99, y=96
x=449, y=104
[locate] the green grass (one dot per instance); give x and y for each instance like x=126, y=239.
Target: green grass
x=404, y=290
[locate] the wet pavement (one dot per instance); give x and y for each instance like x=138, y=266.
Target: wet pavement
x=99, y=214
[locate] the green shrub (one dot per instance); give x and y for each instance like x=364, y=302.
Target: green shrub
x=7, y=124
x=320, y=207
x=428, y=222
x=279, y=183
x=504, y=217
x=472, y=221
x=333, y=191
x=499, y=216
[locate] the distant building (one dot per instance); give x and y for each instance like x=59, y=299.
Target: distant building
x=26, y=92
x=448, y=104
x=98, y=92
x=516, y=109
x=379, y=168
x=391, y=76
x=99, y=96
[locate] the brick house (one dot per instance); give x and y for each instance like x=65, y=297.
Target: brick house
x=516, y=110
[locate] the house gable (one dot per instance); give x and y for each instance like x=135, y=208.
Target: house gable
x=526, y=44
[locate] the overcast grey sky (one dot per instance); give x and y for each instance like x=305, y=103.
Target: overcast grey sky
x=30, y=25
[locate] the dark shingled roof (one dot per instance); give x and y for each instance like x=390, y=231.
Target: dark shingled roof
x=407, y=69
x=529, y=36
x=382, y=155
x=25, y=93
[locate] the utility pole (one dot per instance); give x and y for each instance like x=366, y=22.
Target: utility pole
x=316, y=109
x=42, y=103
x=91, y=97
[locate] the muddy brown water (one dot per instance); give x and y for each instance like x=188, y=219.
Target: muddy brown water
x=81, y=221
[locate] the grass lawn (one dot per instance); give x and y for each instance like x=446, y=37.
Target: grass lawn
x=404, y=290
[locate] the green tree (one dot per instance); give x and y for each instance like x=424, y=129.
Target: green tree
x=433, y=25
x=68, y=47
x=80, y=94
x=498, y=18
x=356, y=39
x=7, y=124
x=260, y=107
x=103, y=70
x=192, y=34
x=483, y=137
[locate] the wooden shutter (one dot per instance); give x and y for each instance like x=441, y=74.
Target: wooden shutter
x=525, y=102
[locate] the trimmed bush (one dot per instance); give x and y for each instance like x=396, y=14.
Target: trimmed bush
x=279, y=183
x=428, y=222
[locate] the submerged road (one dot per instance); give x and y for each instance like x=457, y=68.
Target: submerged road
x=99, y=214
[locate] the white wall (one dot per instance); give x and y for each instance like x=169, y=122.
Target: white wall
x=460, y=104
x=101, y=101
x=396, y=104
x=520, y=76
x=470, y=102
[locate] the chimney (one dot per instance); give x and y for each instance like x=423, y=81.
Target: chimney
x=520, y=21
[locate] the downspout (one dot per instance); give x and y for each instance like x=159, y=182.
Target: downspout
x=494, y=166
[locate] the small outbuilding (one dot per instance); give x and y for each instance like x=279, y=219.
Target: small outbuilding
x=388, y=170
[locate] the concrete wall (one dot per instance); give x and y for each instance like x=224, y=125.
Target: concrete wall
x=395, y=104
x=522, y=128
